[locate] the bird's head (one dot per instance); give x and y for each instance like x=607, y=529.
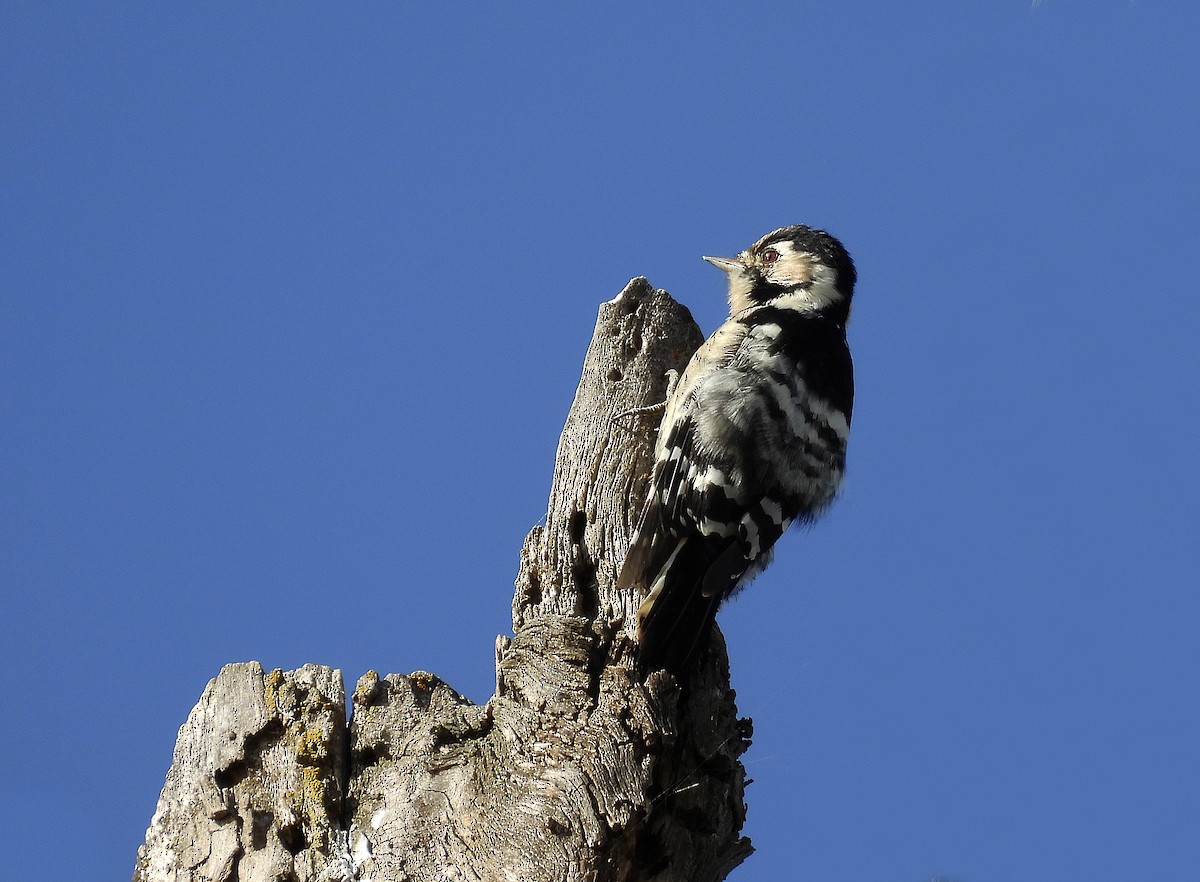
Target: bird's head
x=795, y=267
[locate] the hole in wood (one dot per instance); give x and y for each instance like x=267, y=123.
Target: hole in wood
x=292, y=837
x=232, y=774
x=533, y=590
x=577, y=526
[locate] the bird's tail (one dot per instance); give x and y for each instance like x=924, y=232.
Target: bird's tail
x=676, y=618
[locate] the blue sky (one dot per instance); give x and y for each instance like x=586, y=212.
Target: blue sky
x=295, y=300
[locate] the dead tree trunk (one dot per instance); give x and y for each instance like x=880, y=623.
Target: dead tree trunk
x=576, y=769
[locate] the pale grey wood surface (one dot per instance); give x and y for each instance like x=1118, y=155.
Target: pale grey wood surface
x=576, y=769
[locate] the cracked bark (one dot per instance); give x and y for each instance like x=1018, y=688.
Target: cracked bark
x=576, y=769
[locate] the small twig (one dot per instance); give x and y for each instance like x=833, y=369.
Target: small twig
x=657, y=408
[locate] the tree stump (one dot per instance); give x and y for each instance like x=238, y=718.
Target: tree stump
x=576, y=769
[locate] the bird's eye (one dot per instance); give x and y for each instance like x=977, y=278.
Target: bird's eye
x=770, y=255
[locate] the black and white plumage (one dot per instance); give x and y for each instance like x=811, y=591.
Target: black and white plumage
x=753, y=439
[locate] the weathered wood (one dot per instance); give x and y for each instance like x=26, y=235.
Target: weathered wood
x=575, y=769
x=256, y=786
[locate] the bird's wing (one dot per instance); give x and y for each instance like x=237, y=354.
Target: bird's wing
x=659, y=525
x=673, y=508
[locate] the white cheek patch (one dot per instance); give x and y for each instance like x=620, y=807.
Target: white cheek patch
x=797, y=268
x=822, y=292
x=792, y=267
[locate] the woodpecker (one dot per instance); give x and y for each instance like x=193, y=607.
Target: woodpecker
x=752, y=440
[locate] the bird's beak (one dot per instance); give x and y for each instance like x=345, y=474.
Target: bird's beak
x=727, y=264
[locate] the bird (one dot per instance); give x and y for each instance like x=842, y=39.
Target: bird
x=752, y=439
